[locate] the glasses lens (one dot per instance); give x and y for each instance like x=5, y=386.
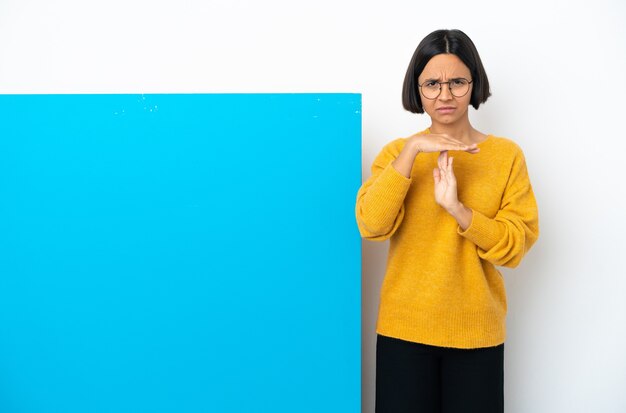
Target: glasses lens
x=459, y=87
x=430, y=89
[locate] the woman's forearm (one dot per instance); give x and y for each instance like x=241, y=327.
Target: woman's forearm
x=404, y=162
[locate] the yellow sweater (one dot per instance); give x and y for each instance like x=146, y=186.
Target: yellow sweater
x=441, y=286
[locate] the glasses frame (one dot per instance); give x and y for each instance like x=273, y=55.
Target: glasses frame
x=469, y=82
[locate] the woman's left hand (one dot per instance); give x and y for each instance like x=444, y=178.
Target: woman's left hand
x=445, y=182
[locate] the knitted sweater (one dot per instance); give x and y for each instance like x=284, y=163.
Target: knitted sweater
x=441, y=286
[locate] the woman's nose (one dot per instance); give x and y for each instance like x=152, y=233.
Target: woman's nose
x=445, y=93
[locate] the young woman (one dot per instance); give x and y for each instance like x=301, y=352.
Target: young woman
x=455, y=203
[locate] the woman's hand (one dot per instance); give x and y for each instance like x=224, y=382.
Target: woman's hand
x=437, y=142
x=446, y=192
x=445, y=182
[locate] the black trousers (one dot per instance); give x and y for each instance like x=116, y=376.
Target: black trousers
x=416, y=378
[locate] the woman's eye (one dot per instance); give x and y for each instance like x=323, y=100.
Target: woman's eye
x=430, y=83
x=458, y=82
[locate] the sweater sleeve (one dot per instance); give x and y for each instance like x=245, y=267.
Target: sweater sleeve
x=380, y=200
x=504, y=239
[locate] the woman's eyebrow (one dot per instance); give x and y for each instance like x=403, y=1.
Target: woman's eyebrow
x=439, y=78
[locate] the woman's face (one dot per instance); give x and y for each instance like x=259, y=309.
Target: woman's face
x=446, y=108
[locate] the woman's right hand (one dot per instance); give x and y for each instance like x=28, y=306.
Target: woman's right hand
x=437, y=142
x=430, y=142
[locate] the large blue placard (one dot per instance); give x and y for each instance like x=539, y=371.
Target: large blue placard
x=180, y=253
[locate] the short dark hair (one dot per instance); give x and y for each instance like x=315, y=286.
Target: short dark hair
x=444, y=41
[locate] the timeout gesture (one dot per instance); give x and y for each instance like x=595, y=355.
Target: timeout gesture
x=432, y=142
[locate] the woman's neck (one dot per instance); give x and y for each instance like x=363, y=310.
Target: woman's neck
x=461, y=131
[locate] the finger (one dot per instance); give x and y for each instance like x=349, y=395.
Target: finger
x=436, y=175
x=459, y=144
x=441, y=158
x=446, y=168
x=454, y=146
x=465, y=147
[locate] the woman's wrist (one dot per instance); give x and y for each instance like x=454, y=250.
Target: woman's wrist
x=462, y=214
x=404, y=162
x=414, y=147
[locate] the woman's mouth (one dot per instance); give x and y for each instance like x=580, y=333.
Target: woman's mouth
x=446, y=109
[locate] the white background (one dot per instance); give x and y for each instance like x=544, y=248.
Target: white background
x=558, y=76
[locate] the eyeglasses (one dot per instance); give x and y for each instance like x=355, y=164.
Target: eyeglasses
x=431, y=89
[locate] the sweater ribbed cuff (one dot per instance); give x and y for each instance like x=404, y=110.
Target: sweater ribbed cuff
x=389, y=191
x=483, y=231
x=395, y=179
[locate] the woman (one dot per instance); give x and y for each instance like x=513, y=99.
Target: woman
x=450, y=218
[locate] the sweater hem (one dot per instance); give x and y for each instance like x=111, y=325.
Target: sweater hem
x=465, y=330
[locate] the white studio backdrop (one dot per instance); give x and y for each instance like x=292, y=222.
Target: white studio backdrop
x=557, y=76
